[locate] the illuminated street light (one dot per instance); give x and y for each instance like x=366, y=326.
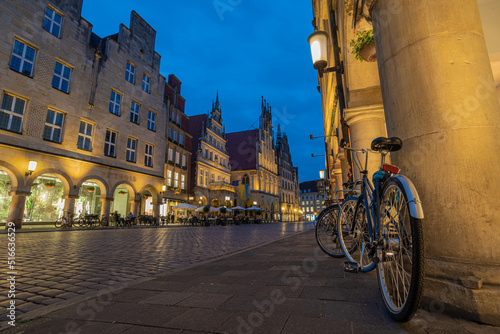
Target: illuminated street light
x=318, y=41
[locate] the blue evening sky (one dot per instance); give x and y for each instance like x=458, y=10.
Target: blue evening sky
x=244, y=49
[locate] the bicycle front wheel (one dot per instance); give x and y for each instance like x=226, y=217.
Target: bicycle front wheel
x=326, y=232
x=58, y=223
x=400, y=271
x=353, y=233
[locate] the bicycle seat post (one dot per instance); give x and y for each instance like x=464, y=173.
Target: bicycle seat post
x=382, y=158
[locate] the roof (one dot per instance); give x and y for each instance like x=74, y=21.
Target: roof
x=196, y=124
x=313, y=185
x=242, y=149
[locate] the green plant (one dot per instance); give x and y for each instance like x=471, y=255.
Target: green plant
x=258, y=212
x=361, y=38
x=206, y=208
x=236, y=212
x=223, y=210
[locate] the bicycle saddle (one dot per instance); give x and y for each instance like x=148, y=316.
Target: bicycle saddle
x=387, y=144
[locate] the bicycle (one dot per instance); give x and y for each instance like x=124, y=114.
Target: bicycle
x=64, y=222
x=384, y=231
x=326, y=223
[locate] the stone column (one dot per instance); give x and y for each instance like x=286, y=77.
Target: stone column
x=439, y=97
x=69, y=204
x=365, y=124
x=343, y=167
x=16, y=209
x=134, y=206
x=338, y=183
x=106, y=205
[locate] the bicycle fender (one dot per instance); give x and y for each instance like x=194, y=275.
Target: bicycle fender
x=414, y=202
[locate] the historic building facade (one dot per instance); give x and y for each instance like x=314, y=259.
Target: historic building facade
x=254, y=171
x=210, y=170
x=312, y=199
x=87, y=110
x=435, y=84
x=288, y=180
x=178, y=149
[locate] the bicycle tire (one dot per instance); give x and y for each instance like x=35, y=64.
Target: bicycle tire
x=326, y=232
x=58, y=223
x=352, y=230
x=402, y=256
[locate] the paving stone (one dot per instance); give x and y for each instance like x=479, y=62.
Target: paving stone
x=204, y=300
x=27, y=307
x=254, y=322
x=167, y=298
x=24, y=295
x=68, y=295
x=301, y=325
x=51, y=292
x=200, y=320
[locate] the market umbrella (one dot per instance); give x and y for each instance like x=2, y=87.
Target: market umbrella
x=184, y=206
x=237, y=208
x=200, y=209
x=254, y=208
x=227, y=209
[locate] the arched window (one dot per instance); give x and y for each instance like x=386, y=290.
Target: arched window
x=245, y=180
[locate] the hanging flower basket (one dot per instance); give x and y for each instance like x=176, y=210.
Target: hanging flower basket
x=363, y=46
x=90, y=189
x=145, y=196
x=49, y=185
x=367, y=52
x=122, y=192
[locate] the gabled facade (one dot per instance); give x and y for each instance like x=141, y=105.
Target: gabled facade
x=178, y=148
x=86, y=109
x=254, y=171
x=210, y=169
x=288, y=180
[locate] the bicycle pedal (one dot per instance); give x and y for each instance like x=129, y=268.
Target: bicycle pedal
x=351, y=267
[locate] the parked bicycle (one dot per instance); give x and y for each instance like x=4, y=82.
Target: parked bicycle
x=66, y=221
x=326, y=223
x=382, y=229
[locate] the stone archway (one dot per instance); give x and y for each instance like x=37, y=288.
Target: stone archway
x=5, y=198
x=215, y=203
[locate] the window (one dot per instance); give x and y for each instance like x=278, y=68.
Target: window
x=131, y=149
x=170, y=154
x=178, y=119
x=212, y=177
x=181, y=139
x=148, y=157
x=12, y=113
x=110, y=143
x=130, y=73
x=211, y=155
x=175, y=136
x=52, y=22
x=85, y=136
x=183, y=160
x=200, y=181
x=172, y=116
x=177, y=158
x=53, y=126
x=135, y=109
x=176, y=180
x=62, y=75
x=183, y=182
x=23, y=58
x=206, y=154
x=206, y=177
x=115, y=103
x=146, y=83
x=169, y=133
x=169, y=178
x=151, y=120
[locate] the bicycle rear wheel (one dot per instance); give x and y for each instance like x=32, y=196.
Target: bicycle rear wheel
x=400, y=271
x=58, y=223
x=326, y=231
x=353, y=232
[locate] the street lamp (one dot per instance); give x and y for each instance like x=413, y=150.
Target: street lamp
x=317, y=41
x=322, y=174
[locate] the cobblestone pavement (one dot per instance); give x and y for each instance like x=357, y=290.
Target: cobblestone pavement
x=55, y=266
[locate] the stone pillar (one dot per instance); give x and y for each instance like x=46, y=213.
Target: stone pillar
x=69, y=204
x=365, y=124
x=343, y=166
x=134, y=207
x=338, y=183
x=439, y=97
x=16, y=209
x=106, y=205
